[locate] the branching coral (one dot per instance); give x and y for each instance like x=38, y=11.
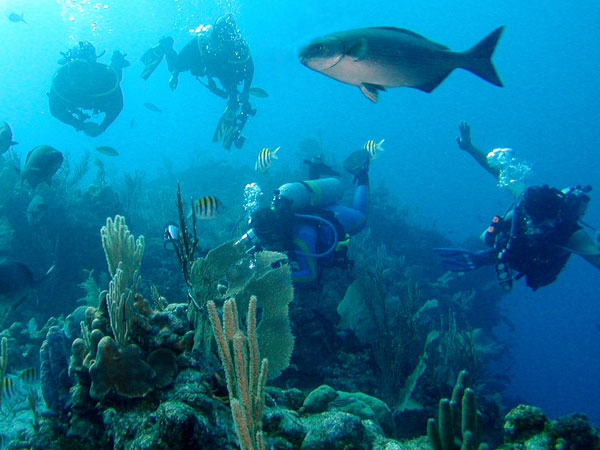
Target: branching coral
x=121, y=247
x=245, y=381
x=443, y=433
x=120, y=306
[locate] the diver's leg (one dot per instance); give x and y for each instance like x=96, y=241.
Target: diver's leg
x=353, y=219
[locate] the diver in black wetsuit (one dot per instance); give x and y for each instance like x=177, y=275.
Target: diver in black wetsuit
x=83, y=88
x=217, y=52
x=536, y=236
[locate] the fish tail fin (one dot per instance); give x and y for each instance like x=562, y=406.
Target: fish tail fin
x=380, y=145
x=478, y=59
x=274, y=154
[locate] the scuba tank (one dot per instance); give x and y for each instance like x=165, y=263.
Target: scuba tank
x=306, y=195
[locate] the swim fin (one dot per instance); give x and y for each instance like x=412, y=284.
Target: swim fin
x=226, y=127
x=461, y=260
x=357, y=162
x=151, y=59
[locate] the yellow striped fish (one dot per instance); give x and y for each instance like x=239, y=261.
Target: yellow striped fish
x=374, y=148
x=208, y=207
x=29, y=375
x=9, y=388
x=265, y=158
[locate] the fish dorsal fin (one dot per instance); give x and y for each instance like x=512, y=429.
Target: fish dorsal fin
x=358, y=49
x=413, y=34
x=28, y=155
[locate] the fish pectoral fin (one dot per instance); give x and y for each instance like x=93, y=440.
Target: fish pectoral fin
x=371, y=91
x=358, y=50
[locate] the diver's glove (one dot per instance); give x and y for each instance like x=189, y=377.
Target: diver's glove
x=118, y=60
x=460, y=260
x=212, y=87
x=357, y=163
x=247, y=108
x=166, y=42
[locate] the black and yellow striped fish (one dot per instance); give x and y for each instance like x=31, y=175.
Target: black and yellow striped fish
x=9, y=388
x=374, y=148
x=265, y=158
x=208, y=207
x=29, y=375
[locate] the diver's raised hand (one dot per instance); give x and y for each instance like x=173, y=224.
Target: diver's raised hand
x=464, y=140
x=174, y=81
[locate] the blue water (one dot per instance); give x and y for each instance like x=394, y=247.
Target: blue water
x=548, y=111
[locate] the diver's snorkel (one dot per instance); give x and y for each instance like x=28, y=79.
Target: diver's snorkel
x=170, y=237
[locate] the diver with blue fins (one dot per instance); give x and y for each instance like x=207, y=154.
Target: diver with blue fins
x=220, y=52
x=84, y=88
x=539, y=232
x=306, y=222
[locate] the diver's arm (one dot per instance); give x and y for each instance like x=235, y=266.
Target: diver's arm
x=464, y=143
x=248, y=76
x=59, y=109
x=113, y=107
x=181, y=62
x=166, y=44
x=582, y=243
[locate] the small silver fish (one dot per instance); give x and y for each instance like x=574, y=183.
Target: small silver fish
x=265, y=158
x=107, y=150
x=258, y=92
x=14, y=17
x=208, y=207
x=152, y=107
x=374, y=148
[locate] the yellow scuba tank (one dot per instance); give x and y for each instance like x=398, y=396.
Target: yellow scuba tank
x=305, y=195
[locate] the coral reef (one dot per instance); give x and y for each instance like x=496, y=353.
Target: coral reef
x=245, y=381
x=443, y=433
x=54, y=371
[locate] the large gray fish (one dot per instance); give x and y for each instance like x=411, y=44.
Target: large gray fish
x=41, y=164
x=6, y=135
x=16, y=283
x=383, y=57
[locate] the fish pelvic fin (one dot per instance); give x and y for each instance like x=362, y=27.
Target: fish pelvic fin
x=478, y=59
x=371, y=91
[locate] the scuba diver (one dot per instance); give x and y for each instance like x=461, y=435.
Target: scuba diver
x=306, y=221
x=84, y=88
x=536, y=236
x=220, y=52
